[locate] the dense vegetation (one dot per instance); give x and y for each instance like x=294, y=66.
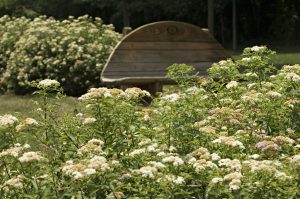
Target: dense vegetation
x=258, y=21
x=235, y=134
x=72, y=51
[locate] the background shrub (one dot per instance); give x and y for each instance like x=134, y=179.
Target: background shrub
x=11, y=30
x=72, y=51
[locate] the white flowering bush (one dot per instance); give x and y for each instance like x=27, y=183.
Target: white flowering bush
x=72, y=51
x=232, y=136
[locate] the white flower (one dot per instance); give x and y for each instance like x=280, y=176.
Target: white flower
x=89, y=171
x=7, y=120
x=295, y=159
x=147, y=171
x=31, y=156
x=257, y=48
x=215, y=157
x=234, y=175
x=179, y=180
x=232, y=84
x=16, y=182
x=98, y=162
x=292, y=77
x=77, y=175
x=172, y=149
x=254, y=156
x=31, y=121
x=177, y=161
x=273, y=94
x=171, y=98
x=49, y=83
x=115, y=162
x=192, y=160
x=251, y=75
x=246, y=59
x=216, y=180
x=281, y=175
x=161, y=154
x=89, y=120
x=144, y=142
x=193, y=89
x=146, y=117
x=157, y=164
x=137, y=152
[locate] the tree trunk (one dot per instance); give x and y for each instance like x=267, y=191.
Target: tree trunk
x=210, y=22
x=234, y=24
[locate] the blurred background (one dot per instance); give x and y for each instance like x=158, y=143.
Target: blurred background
x=270, y=22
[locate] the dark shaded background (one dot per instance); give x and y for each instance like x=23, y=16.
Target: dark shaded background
x=271, y=22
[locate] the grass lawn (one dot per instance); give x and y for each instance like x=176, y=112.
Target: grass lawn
x=24, y=105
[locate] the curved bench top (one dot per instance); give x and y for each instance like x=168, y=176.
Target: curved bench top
x=143, y=55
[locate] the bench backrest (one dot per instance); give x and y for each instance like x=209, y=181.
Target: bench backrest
x=144, y=54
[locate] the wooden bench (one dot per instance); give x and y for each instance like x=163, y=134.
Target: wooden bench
x=141, y=57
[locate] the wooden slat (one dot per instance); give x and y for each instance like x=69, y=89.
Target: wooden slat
x=169, y=31
x=136, y=66
x=175, y=56
x=170, y=46
x=145, y=53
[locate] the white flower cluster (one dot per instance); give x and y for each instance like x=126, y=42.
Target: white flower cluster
x=49, y=83
x=136, y=92
x=147, y=171
x=295, y=159
x=93, y=146
x=97, y=93
x=7, y=120
x=14, y=151
x=178, y=180
x=29, y=122
x=175, y=160
x=234, y=164
x=230, y=141
x=258, y=48
x=232, y=84
x=32, y=156
x=252, y=96
x=266, y=166
x=234, y=180
x=16, y=182
x=171, y=97
x=85, y=168
x=202, y=164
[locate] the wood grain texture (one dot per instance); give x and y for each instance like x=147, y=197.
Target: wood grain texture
x=145, y=53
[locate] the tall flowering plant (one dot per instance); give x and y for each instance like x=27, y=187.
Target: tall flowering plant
x=234, y=135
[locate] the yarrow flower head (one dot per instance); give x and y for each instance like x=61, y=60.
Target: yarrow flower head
x=257, y=48
x=177, y=161
x=136, y=92
x=171, y=98
x=32, y=156
x=7, y=120
x=49, y=83
x=232, y=84
x=16, y=182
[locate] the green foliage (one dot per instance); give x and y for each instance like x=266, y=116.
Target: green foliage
x=237, y=140
x=182, y=74
x=72, y=51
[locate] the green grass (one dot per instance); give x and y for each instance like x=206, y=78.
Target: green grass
x=24, y=105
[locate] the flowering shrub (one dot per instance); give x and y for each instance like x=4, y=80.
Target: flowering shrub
x=72, y=51
x=235, y=136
